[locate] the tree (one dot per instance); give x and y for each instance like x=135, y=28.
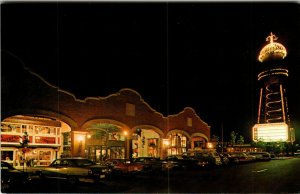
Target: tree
x=233, y=137
x=260, y=144
x=240, y=140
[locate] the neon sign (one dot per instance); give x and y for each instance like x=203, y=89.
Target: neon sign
x=270, y=132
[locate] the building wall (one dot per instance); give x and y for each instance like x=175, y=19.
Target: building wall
x=26, y=93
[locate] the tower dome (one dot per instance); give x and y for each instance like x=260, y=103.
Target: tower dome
x=273, y=49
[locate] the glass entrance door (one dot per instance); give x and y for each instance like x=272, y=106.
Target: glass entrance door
x=96, y=153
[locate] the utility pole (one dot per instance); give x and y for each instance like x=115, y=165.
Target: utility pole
x=222, y=137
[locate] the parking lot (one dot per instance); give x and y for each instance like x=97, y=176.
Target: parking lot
x=258, y=177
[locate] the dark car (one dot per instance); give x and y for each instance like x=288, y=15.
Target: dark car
x=179, y=162
x=12, y=178
x=212, y=158
x=74, y=170
x=150, y=164
x=201, y=162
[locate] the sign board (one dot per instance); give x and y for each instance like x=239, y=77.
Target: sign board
x=270, y=132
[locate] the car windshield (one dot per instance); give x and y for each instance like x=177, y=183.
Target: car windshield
x=82, y=162
x=179, y=157
x=5, y=165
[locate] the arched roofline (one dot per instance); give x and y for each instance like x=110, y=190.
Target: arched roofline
x=41, y=113
x=179, y=131
x=187, y=109
x=87, y=124
x=200, y=135
x=154, y=128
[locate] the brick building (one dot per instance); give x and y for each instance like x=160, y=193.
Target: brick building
x=121, y=125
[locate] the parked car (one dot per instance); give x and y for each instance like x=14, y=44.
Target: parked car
x=297, y=153
x=150, y=164
x=224, y=159
x=74, y=170
x=12, y=178
x=261, y=156
x=201, y=162
x=123, y=166
x=179, y=162
x=211, y=157
x=233, y=159
x=239, y=157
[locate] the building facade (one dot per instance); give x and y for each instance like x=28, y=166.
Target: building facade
x=121, y=125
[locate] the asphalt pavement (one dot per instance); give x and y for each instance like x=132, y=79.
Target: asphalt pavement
x=275, y=176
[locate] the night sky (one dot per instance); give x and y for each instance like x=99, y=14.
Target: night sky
x=201, y=55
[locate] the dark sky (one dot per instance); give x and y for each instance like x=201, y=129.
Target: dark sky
x=201, y=55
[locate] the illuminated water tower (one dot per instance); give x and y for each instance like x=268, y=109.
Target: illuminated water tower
x=273, y=123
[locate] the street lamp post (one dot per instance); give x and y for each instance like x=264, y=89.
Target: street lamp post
x=222, y=138
x=24, y=140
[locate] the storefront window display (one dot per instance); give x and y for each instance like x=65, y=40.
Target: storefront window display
x=39, y=136
x=198, y=142
x=153, y=147
x=146, y=144
x=7, y=155
x=45, y=130
x=66, y=152
x=10, y=128
x=105, y=143
x=178, y=144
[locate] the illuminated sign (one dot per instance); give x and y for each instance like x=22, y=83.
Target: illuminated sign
x=271, y=48
x=270, y=132
x=12, y=138
x=45, y=140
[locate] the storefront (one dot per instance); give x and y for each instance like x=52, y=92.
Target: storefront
x=105, y=141
x=73, y=127
x=146, y=144
x=44, y=137
x=178, y=143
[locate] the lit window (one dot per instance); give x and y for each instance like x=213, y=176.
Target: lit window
x=189, y=122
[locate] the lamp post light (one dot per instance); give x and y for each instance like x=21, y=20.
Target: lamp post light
x=209, y=145
x=80, y=144
x=125, y=133
x=89, y=136
x=166, y=143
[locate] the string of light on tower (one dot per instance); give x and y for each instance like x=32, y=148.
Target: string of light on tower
x=273, y=124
